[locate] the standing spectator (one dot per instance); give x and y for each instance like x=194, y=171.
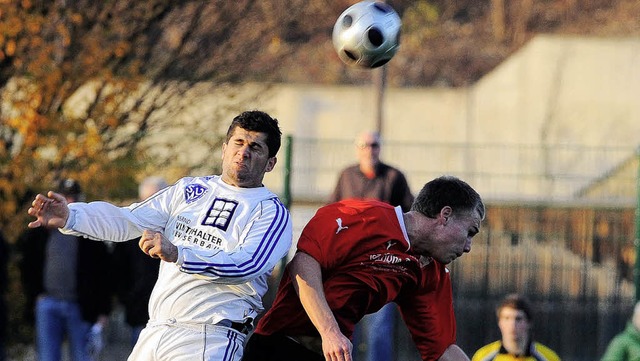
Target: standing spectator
x=355, y=256
x=66, y=279
x=515, y=321
x=136, y=273
x=4, y=260
x=370, y=178
x=219, y=238
x=373, y=179
x=626, y=345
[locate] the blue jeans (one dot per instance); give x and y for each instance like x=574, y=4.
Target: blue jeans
x=135, y=334
x=378, y=332
x=56, y=318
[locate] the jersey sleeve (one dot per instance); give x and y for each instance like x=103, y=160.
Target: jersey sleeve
x=320, y=241
x=308, y=243
x=266, y=241
x=105, y=221
x=428, y=313
x=341, y=232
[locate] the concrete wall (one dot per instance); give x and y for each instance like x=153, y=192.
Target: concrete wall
x=554, y=94
x=563, y=90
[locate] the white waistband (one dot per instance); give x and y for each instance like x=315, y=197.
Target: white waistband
x=200, y=327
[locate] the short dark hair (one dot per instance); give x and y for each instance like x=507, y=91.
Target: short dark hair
x=258, y=121
x=517, y=302
x=447, y=191
x=69, y=187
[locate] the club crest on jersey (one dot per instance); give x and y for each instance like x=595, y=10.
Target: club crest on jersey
x=193, y=192
x=220, y=213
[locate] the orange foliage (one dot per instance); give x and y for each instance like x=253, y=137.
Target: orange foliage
x=51, y=51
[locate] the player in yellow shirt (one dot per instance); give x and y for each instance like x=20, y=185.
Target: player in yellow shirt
x=515, y=323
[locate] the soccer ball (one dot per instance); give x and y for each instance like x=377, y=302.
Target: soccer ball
x=367, y=34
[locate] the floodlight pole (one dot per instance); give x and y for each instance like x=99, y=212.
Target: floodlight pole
x=636, y=269
x=379, y=81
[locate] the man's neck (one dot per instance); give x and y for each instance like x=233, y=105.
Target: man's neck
x=369, y=170
x=516, y=347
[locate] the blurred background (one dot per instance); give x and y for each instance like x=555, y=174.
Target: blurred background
x=533, y=102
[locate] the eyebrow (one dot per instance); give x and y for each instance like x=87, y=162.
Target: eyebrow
x=246, y=139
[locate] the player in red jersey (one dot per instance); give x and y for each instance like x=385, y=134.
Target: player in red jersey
x=354, y=257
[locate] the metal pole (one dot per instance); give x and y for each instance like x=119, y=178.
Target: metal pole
x=379, y=79
x=636, y=269
x=286, y=192
x=276, y=275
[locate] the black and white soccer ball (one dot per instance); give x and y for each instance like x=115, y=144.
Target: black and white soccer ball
x=367, y=34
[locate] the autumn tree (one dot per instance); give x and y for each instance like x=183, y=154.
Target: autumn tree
x=85, y=82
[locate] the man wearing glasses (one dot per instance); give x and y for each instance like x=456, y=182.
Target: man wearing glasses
x=370, y=178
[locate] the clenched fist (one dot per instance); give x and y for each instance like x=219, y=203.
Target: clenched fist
x=156, y=246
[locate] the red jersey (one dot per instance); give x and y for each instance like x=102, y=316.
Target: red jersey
x=366, y=262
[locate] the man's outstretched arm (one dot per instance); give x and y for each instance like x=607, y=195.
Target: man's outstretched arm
x=307, y=280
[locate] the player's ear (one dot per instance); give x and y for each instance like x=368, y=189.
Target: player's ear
x=445, y=213
x=224, y=147
x=271, y=163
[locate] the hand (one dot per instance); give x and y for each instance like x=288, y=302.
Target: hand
x=336, y=347
x=95, y=343
x=156, y=246
x=51, y=211
x=103, y=320
x=453, y=353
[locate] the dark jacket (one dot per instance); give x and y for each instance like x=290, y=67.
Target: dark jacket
x=136, y=274
x=389, y=186
x=4, y=286
x=92, y=272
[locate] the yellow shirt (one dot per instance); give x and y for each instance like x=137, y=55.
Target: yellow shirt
x=495, y=352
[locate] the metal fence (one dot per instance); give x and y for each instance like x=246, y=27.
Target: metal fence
x=499, y=171
x=560, y=228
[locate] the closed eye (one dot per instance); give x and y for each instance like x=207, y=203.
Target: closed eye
x=472, y=232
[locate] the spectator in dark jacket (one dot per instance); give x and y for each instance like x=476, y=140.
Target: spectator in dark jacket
x=136, y=273
x=67, y=284
x=370, y=178
x=4, y=259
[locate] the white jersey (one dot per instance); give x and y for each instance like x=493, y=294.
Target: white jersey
x=228, y=238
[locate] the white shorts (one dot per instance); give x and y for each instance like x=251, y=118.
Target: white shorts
x=169, y=341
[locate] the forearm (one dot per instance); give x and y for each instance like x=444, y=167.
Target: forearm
x=307, y=280
x=102, y=221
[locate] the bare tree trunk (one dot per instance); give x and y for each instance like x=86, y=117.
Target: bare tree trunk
x=570, y=6
x=521, y=20
x=497, y=19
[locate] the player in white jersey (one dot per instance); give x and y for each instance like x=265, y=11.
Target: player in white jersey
x=219, y=238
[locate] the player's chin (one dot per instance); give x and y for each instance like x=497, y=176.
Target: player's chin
x=453, y=258
x=445, y=260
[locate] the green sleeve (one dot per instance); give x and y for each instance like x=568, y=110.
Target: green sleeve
x=615, y=351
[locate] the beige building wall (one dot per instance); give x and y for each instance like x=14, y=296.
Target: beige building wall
x=551, y=122
x=556, y=90
x=554, y=94
x=561, y=90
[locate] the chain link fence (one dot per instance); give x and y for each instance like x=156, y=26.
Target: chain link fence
x=560, y=228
